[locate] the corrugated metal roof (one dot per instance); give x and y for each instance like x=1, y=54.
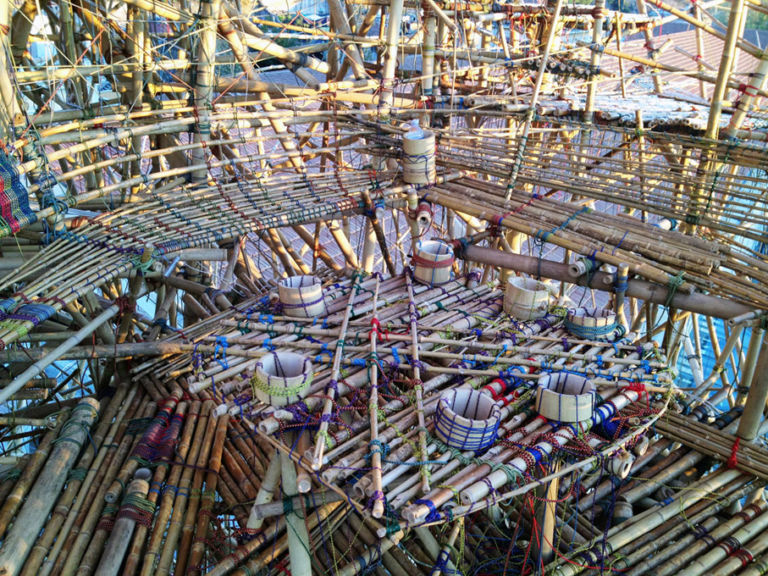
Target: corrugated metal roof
x=679, y=49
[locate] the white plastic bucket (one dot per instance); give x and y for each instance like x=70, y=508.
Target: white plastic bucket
x=301, y=296
x=419, y=158
x=433, y=262
x=282, y=378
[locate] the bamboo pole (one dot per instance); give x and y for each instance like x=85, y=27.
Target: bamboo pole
x=191, y=478
x=206, y=510
x=373, y=410
x=298, y=537
x=331, y=391
x=41, y=499
x=418, y=384
x=523, y=138
x=266, y=491
x=15, y=498
x=38, y=367
x=756, y=397
x=122, y=531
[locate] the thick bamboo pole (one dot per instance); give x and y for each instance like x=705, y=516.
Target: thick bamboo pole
x=696, y=302
x=122, y=531
x=296, y=528
x=74, y=433
x=209, y=495
x=15, y=498
x=203, y=91
x=394, y=17
x=756, y=397
x=266, y=491
x=715, y=111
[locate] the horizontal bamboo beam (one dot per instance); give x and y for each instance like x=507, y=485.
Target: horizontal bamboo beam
x=656, y=293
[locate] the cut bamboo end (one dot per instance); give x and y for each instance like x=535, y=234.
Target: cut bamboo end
x=526, y=299
x=302, y=296
x=282, y=378
x=467, y=419
x=565, y=397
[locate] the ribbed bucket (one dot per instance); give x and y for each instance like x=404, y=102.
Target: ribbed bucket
x=282, y=378
x=466, y=419
x=301, y=296
x=432, y=262
x=565, y=397
x=526, y=299
x=419, y=158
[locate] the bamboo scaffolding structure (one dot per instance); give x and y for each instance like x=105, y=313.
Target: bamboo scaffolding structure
x=148, y=169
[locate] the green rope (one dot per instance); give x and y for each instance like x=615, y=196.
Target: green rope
x=77, y=474
x=674, y=284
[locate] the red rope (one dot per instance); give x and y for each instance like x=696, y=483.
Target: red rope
x=732, y=460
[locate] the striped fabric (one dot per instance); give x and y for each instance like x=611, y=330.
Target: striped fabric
x=15, y=212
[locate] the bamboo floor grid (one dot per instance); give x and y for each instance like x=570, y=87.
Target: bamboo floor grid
x=171, y=467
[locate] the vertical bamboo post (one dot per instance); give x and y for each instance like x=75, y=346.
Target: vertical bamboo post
x=298, y=537
x=522, y=141
x=700, y=50
x=756, y=398
x=597, y=37
x=386, y=98
x=707, y=161
x=376, y=225
x=369, y=250
x=750, y=364
x=266, y=491
x=30, y=520
x=204, y=80
x=10, y=112
x=623, y=83
x=428, y=52
x=648, y=34
x=445, y=553
x=547, y=543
